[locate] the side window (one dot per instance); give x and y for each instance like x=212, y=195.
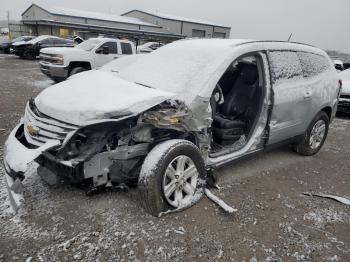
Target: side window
x=60, y=41
x=312, y=64
x=113, y=47
x=47, y=41
x=285, y=66
x=126, y=48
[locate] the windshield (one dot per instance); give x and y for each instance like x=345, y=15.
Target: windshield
x=88, y=45
x=21, y=38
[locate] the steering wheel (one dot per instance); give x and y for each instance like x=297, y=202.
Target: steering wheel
x=220, y=99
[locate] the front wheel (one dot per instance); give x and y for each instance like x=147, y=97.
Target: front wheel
x=314, y=137
x=172, y=177
x=76, y=70
x=29, y=55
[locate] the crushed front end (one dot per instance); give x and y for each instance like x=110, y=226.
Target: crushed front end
x=102, y=153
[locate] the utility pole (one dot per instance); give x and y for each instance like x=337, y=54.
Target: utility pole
x=8, y=23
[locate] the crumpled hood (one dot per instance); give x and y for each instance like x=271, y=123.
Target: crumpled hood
x=19, y=43
x=95, y=95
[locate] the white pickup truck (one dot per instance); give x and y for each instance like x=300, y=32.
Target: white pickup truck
x=60, y=63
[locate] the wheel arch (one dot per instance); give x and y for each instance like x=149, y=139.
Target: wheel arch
x=328, y=111
x=84, y=64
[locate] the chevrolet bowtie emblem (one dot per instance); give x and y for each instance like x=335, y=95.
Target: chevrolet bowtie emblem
x=32, y=130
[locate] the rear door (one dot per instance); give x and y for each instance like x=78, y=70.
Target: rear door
x=291, y=96
x=126, y=48
x=48, y=42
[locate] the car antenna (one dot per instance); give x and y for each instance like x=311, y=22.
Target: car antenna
x=290, y=37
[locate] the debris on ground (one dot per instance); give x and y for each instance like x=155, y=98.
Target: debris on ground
x=336, y=198
x=219, y=202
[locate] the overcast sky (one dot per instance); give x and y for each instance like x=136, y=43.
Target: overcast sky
x=324, y=23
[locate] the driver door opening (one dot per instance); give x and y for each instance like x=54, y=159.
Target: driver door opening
x=236, y=104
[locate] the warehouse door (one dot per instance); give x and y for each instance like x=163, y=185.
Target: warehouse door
x=219, y=35
x=198, y=33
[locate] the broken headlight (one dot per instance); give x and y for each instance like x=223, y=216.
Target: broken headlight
x=89, y=140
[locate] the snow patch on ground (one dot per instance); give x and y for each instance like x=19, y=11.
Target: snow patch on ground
x=324, y=216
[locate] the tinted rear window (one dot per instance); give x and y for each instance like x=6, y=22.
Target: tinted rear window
x=126, y=48
x=313, y=64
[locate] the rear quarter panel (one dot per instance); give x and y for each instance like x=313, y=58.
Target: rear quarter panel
x=325, y=90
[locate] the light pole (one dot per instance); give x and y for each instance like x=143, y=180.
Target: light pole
x=8, y=23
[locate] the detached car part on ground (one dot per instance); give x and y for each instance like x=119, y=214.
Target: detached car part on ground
x=162, y=121
x=31, y=49
x=59, y=63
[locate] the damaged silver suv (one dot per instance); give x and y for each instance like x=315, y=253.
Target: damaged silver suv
x=163, y=121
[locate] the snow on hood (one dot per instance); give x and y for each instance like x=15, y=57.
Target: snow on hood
x=345, y=77
x=62, y=50
x=20, y=43
x=97, y=95
x=35, y=40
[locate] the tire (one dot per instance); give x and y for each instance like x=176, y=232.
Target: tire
x=155, y=176
x=76, y=70
x=7, y=51
x=310, y=145
x=29, y=55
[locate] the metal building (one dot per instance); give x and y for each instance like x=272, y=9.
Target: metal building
x=187, y=27
x=137, y=25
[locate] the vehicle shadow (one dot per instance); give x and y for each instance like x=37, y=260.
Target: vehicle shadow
x=343, y=116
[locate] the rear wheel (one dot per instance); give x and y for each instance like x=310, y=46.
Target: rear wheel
x=77, y=70
x=315, y=136
x=172, y=177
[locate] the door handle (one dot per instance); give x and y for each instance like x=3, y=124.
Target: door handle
x=307, y=94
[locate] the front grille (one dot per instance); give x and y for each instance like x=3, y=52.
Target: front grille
x=39, y=128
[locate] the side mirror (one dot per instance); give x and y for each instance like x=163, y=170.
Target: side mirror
x=103, y=50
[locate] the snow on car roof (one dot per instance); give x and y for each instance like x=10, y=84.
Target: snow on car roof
x=39, y=38
x=92, y=15
x=187, y=67
x=182, y=66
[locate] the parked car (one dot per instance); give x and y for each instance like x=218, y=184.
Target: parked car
x=338, y=64
x=31, y=49
x=344, y=100
x=149, y=47
x=7, y=45
x=163, y=120
x=60, y=63
x=346, y=65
